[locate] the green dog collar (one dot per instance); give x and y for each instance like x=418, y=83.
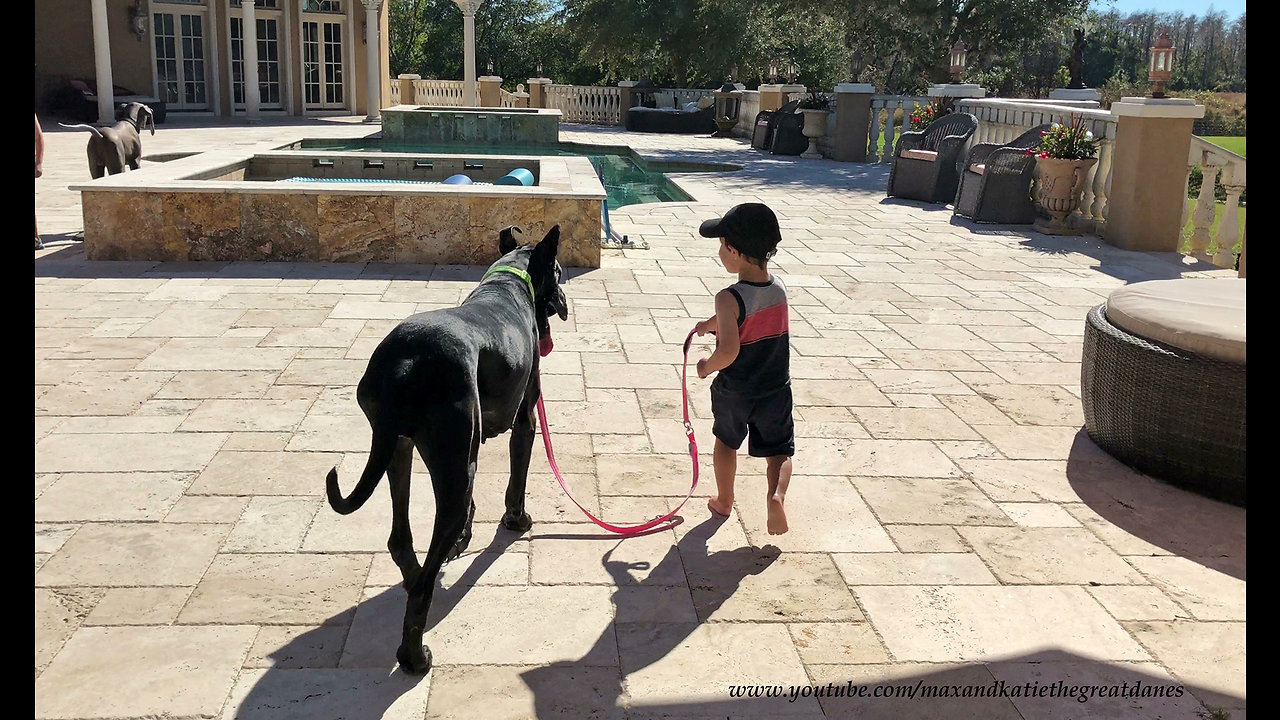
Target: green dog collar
x=523, y=275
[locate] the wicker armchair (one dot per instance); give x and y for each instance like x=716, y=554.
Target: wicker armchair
x=924, y=162
x=995, y=182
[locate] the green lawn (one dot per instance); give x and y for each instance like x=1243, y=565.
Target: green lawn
x=1234, y=144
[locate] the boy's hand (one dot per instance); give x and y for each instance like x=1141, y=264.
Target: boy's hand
x=706, y=326
x=702, y=368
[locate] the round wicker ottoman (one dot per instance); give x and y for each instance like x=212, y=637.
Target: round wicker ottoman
x=1170, y=401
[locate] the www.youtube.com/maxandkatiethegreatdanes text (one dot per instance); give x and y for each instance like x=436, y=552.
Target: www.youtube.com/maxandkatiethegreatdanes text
x=995, y=689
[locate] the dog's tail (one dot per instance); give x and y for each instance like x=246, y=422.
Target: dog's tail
x=90, y=128
x=383, y=449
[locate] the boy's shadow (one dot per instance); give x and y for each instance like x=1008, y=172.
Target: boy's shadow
x=712, y=579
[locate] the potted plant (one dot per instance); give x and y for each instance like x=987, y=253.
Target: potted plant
x=814, y=107
x=1064, y=156
x=921, y=117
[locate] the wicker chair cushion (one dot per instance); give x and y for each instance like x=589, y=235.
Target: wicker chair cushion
x=979, y=169
x=1201, y=316
x=929, y=155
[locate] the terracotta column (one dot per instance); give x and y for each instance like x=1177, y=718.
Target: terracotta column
x=1153, y=138
x=490, y=91
x=538, y=92
x=407, y=91
x=853, y=120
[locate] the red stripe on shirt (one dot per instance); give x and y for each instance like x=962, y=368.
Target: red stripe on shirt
x=762, y=324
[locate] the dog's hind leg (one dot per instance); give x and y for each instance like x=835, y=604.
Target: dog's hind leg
x=450, y=450
x=522, y=436
x=464, y=539
x=401, y=541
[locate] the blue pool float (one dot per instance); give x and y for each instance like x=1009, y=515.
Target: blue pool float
x=458, y=179
x=519, y=176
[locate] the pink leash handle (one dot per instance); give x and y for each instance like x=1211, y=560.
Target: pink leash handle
x=693, y=455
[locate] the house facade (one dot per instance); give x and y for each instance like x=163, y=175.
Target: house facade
x=198, y=56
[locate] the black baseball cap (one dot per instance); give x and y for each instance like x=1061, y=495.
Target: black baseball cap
x=749, y=228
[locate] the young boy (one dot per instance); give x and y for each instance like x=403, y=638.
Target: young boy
x=751, y=395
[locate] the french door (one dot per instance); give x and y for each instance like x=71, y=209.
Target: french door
x=323, y=70
x=180, y=49
x=270, y=96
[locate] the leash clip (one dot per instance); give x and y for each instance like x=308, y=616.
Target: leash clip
x=688, y=428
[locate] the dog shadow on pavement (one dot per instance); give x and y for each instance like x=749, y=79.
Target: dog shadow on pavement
x=575, y=689
x=346, y=669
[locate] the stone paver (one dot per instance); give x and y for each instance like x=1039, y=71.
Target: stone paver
x=951, y=523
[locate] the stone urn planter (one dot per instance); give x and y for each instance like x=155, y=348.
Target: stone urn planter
x=1061, y=181
x=815, y=126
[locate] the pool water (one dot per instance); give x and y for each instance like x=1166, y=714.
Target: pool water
x=627, y=179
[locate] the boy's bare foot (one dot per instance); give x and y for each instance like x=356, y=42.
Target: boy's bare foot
x=719, y=508
x=777, y=517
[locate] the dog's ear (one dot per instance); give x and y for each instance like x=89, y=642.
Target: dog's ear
x=506, y=240
x=151, y=118
x=549, y=247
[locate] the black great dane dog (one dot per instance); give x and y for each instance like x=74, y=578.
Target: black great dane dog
x=445, y=381
x=113, y=148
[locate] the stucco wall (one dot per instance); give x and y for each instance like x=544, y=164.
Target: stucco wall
x=64, y=46
x=64, y=49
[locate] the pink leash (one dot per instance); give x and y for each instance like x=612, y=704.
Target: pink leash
x=693, y=455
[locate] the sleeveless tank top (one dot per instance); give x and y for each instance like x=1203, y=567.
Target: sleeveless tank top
x=763, y=362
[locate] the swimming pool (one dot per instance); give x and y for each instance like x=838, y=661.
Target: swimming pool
x=627, y=179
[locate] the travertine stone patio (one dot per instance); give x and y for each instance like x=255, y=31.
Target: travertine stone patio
x=951, y=521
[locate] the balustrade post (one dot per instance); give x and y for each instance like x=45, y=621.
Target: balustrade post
x=1202, y=218
x=1229, y=227
x=1099, y=184
x=1186, y=196
x=873, y=144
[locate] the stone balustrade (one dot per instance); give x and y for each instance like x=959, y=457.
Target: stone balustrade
x=883, y=110
x=395, y=92
x=438, y=92
x=1218, y=166
x=586, y=103
x=1003, y=120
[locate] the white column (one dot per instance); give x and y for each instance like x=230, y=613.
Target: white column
x=102, y=63
x=469, y=8
x=249, y=53
x=373, y=60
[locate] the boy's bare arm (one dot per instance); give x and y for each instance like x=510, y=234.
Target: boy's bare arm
x=727, y=335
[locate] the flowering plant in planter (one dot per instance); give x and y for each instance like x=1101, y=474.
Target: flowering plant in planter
x=922, y=116
x=1067, y=142
x=813, y=101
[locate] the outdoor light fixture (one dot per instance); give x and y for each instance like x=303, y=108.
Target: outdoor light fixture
x=773, y=72
x=1161, y=70
x=791, y=71
x=856, y=62
x=138, y=20
x=959, y=58
x=489, y=67
x=539, y=68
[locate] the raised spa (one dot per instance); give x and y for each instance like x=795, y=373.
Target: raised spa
x=430, y=125
x=336, y=206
